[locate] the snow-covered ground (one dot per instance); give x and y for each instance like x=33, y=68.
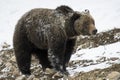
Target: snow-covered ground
x=105, y=12
x=95, y=58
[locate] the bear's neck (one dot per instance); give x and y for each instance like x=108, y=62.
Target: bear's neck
x=69, y=28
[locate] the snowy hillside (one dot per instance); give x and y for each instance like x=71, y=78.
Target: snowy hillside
x=95, y=58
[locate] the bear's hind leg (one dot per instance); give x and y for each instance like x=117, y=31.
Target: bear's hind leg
x=23, y=58
x=43, y=58
x=22, y=48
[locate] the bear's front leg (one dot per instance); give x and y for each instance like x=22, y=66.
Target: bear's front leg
x=56, y=54
x=70, y=43
x=56, y=50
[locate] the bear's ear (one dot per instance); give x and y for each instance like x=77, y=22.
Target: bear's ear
x=87, y=11
x=64, y=9
x=75, y=16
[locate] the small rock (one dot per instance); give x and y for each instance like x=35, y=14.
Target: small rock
x=5, y=45
x=5, y=70
x=20, y=77
x=8, y=64
x=76, y=74
x=57, y=75
x=1, y=62
x=114, y=58
x=69, y=78
x=50, y=71
x=35, y=79
x=102, y=59
x=16, y=72
x=113, y=76
x=100, y=79
x=13, y=59
x=31, y=77
x=44, y=78
x=76, y=61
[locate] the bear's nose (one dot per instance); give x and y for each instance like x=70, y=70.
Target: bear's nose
x=94, y=31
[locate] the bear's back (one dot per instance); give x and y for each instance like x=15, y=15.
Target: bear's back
x=39, y=22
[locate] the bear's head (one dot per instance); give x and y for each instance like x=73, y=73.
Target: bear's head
x=84, y=23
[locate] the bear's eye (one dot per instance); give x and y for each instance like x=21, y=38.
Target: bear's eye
x=85, y=25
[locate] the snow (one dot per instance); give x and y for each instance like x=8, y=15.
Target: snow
x=102, y=56
x=88, y=68
x=105, y=12
x=7, y=69
x=94, y=53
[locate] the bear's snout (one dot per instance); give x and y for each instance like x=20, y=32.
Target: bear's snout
x=94, y=31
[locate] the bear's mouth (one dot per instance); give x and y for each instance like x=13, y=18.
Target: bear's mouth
x=85, y=33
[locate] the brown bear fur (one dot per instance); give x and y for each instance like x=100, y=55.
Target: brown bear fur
x=64, y=10
x=51, y=35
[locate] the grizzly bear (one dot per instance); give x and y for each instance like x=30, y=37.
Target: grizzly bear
x=51, y=35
